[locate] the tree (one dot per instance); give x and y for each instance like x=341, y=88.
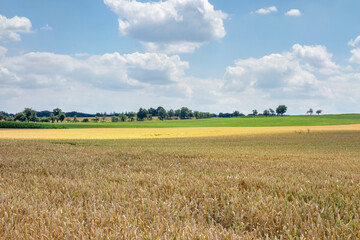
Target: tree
x=52, y=117
x=318, y=112
x=266, y=113
x=254, y=112
x=122, y=117
x=62, y=117
x=149, y=117
x=20, y=117
x=114, y=119
x=236, y=113
x=132, y=116
x=142, y=114
x=2, y=116
x=177, y=113
x=171, y=113
x=75, y=119
x=162, y=114
x=281, y=110
x=310, y=111
x=152, y=111
x=197, y=114
x=96, y=119
x=30, y=115
x=184, y=113
x=272, y=112
x=58, y=114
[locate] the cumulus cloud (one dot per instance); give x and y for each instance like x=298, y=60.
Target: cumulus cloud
x=266, y=10
x=290, y=74
x=10, y=28
x=315, y=58
x=293, y=12
x=169, y=26
x=353, y=43
x=108, y=71
x=355, y=56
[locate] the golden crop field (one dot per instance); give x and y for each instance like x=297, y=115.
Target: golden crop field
x=141, y=133
x=293, y=185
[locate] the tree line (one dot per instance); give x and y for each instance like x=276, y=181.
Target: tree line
x=57, y=115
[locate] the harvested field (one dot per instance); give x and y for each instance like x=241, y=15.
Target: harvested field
x=277, y=186
x=144, y=133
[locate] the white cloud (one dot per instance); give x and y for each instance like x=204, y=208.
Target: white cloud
x=355, y=56
x=266, y=10
x=3, y=52
x=353, y=43
x=46, y=28
x=108, y=71
x=290, y=74
x=169, y=26
x=293, y=12
x=10, y=28
x=315, y=58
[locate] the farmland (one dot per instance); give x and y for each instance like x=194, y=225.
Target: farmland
x=294, y=184
x=275, y=121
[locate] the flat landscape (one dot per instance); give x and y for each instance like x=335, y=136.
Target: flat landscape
x=249, y=121
x=298, y=182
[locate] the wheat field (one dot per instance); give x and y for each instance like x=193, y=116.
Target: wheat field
x=145, y=133
x=303, y=185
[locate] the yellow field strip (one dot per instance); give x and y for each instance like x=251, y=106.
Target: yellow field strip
x=143, y=133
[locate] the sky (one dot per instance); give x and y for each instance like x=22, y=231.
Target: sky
x=208, y=55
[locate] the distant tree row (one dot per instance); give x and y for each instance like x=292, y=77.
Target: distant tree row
x=30, y=115
x=161, y=113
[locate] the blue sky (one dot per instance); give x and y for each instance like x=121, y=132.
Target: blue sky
x=119, y=55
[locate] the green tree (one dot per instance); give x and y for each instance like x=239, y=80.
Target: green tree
x=96, y=119
x=310, y=111
x=62, y=117
x=184, y=113
x=132, y=116
x=53, y=117
x=20, y=117
x=281, y=110
x=177, y=113
x=30, y=115
x=272, y=112
x=171, y=113
x=58, y=114
x=266, y=112
x=254, y=112
x=142, y=114
x=162, y=114
x=2, y=116
x=318, y=112
x=153, y=112
x=122, y=117
x=236, y=113
x=114, y=119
